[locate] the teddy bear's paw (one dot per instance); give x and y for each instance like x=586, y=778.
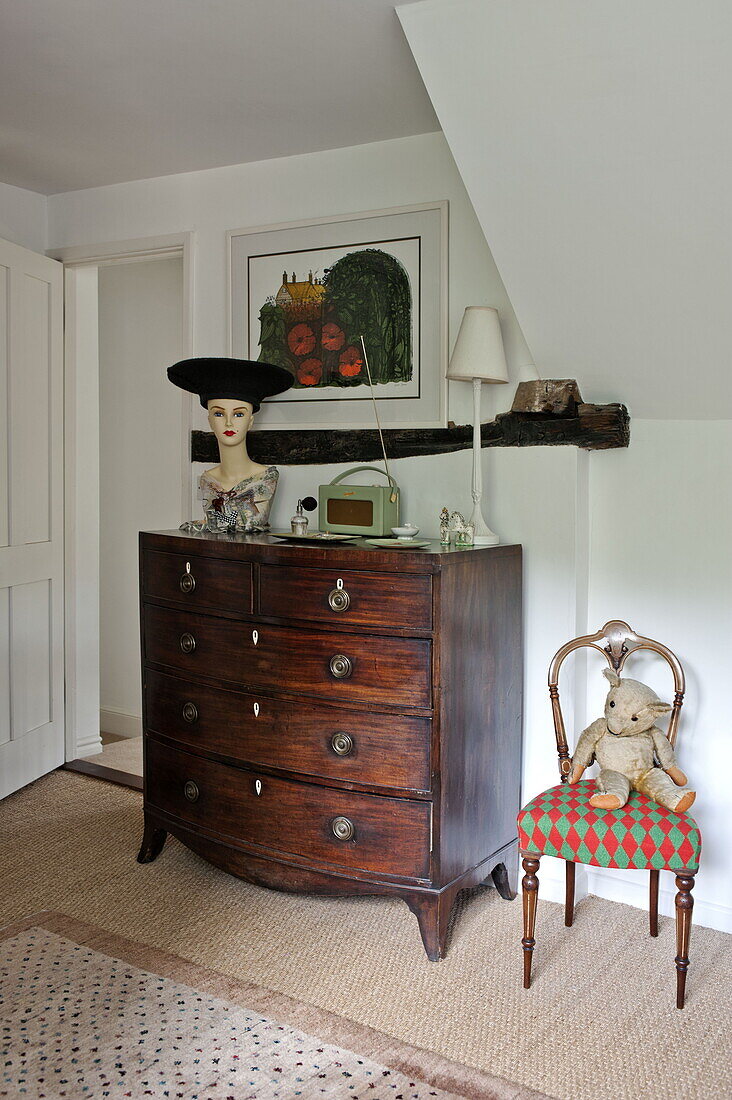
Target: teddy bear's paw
x=685, y=802
x=606, y=801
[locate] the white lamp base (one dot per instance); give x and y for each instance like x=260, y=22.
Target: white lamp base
x=483, y=535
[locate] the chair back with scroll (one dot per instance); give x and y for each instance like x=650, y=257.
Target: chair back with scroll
x=643, y=835
x=616, y=641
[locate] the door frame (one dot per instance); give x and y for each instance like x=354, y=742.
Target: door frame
x=81, y=461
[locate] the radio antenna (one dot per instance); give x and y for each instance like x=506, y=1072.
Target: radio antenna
x=393, y=496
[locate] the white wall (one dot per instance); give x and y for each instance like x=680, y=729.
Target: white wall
x=140, y=332
x=612, y=229
x=23, y=217
x=593, y=141
x=661, y=527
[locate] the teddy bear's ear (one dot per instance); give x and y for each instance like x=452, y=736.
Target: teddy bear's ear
x=611, y=675
x=656, y=709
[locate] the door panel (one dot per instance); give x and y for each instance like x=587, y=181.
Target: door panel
x=31, y=517
x=4, y=666
x=32, y=669
x=30, y=400
x=4, y=417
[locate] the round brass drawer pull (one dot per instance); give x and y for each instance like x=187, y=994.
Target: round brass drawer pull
x=191, y=791
x=339, y=599
x=342, y=744
x=343, y=829
x=341, y=666
x=187, y=643
x=190, y=712
x=187, y=582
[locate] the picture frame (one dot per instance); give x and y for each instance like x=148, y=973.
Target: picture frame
x=302, y=294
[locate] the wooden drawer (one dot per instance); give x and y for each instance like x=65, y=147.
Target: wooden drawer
x=386, y=750
x=391, y=835
x=332, y=596
x=198, y=582
x=387, y=671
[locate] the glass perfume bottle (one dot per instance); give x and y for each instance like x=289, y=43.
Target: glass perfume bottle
x=299, y=522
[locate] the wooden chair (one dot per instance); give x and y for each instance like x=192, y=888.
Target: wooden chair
x=643, y=835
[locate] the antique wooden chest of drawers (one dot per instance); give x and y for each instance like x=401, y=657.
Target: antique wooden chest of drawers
x=334, y=719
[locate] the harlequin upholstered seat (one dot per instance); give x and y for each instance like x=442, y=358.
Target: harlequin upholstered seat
x=642, y=835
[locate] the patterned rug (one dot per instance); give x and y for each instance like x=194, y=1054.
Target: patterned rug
x=87, y=1014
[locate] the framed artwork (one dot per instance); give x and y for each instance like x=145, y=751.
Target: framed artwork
x=339, y=300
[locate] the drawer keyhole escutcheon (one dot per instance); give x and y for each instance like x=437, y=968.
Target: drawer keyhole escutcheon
x=187, y=643
x=339, y=599
x=341, y=666
x=255, y=636
x=190, y=712
x=256, y=710
x=342, y=744
x=187, y=581
x=343, y=828
x=191, y=791
x=257, y=787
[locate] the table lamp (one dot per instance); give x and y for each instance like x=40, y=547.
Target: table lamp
x=478, y=357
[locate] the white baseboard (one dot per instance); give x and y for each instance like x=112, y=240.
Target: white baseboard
x=120, y=723
x=628, y=888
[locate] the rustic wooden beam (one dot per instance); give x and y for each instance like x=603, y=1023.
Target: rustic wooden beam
x=594, y=428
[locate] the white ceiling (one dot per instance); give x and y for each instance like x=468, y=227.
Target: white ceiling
x=595, y=142
x=94, y=92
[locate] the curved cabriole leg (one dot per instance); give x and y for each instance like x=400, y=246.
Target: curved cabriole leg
x=684, y=907
x=153, y=840
x=653, y=903
x=569, y=895
x=530, y=884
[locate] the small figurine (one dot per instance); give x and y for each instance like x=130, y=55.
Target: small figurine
x=237, y=494
x=628, y=746
x=445, y=527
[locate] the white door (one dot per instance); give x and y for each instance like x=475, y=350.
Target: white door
x=31, y=517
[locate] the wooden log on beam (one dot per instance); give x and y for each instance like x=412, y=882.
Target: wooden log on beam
x=594, y=428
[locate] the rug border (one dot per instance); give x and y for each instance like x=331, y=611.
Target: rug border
x=427, y=1066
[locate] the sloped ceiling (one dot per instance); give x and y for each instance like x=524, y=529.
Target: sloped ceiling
x=595, y=140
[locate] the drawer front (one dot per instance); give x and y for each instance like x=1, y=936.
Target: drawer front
x=358, y=746
x=329, y=596
x=375, y=833
x=343, y=667
x=211, y=583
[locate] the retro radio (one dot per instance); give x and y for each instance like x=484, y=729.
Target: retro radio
x=359, y=509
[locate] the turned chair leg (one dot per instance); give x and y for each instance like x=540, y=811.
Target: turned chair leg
x=653, y=903
x=684, y=907
x=530, y=885
x=569, y=895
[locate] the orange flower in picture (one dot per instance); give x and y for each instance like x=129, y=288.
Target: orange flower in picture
x=301, y=339
x=350, y=363
x=310, y=372
x=332, y=337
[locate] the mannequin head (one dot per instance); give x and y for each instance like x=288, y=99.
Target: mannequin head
x=230, y=420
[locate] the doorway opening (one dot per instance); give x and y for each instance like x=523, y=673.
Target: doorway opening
x=143, y=475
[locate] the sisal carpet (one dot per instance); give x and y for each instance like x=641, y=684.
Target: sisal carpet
x=599, y=1022
x=82, y=1017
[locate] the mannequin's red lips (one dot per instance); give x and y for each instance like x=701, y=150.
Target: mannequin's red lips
x=229, y=433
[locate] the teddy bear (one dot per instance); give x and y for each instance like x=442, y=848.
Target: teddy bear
x=628, y=746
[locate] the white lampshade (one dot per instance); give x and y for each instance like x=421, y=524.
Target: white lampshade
x=478, y=351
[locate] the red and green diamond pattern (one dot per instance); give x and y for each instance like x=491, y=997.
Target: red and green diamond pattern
x=643, y=835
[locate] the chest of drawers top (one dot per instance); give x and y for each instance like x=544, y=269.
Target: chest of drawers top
x=352, y=585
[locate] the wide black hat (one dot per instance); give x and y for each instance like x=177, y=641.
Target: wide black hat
x=238, y=379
